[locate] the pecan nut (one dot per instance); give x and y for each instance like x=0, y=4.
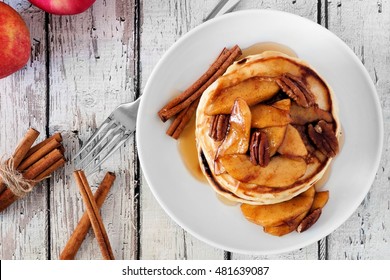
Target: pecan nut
x=259, y=149
x=309, y=220
x=324, y=138
x=219, y=127
x=296, y=89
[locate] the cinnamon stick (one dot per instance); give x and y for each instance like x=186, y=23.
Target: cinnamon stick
x=94, y=216
x=195, y=86
x=36, y=147
x=21, y=151
x=59, y=163
x=176, y=122
x=180, y=122
x=41, y=152
x=24, y=146
x=78, y=235
x=166, y=112
x=42, y=164
x=7, y=197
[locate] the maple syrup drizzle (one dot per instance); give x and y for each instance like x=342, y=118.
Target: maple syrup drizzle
x=267, y=46
x=188, y=152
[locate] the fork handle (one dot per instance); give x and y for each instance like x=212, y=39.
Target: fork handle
x=133, y=105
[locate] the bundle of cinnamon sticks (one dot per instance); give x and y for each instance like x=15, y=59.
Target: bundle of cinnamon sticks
x=184, y=106
x=29, y=165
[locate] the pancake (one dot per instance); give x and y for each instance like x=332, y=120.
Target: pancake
x=280, y=126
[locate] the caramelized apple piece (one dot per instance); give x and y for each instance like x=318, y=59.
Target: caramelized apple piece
x=237, y=138
x=279, y=214
x=312, y=167
x=284, y=104
x=286, y=227
x=300, y=115
x=305, y=138
x=266, y=116
x=292, y=144
x=320, y=199
x=280, y=172
x=253, y=90
x=275, y=135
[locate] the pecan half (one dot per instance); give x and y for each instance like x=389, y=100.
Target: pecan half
x=219, y=127
x=259, y=149
x=309, y=220
x=296, y=89
x=324, y=138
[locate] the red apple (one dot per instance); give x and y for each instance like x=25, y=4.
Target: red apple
x=15, y=44
x=63, y=7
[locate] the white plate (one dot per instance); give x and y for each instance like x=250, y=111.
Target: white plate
x=194, y=205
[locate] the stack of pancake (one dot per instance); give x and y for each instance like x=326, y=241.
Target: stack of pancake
x=267, y=130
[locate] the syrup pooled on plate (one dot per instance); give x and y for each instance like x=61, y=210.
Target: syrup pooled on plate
x=188, y=152
x=258, y=48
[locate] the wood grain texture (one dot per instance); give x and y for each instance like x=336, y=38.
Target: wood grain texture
x=23, y=105
x=364, y=26
x=304, y=8
x=92, y=70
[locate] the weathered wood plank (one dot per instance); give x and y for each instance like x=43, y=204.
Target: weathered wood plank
x=304, y=8
x=364, y=26
x=23, y=105
x=92, y=70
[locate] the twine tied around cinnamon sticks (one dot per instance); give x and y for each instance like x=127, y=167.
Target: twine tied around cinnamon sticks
x=29, y=165
x=14, y=180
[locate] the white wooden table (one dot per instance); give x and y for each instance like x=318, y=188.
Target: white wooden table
x=83, y=66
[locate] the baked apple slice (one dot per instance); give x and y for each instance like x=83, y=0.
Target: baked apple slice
x=237, y=137
x=236, y=140
x=279, y=214
x=300, y=115
x=268, y=115
x=280, y=171
x=292, y=144
x=320, y=200
x=284, y=104
x=253, y=90
x=286, y=227
x=275, y=135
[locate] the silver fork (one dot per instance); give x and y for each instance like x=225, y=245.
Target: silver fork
x=109, y=137
x=118, y=127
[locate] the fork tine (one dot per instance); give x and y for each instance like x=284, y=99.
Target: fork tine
x=115, y=147
x=109, y=136
x=117, y=134
x=94, y=135
x=111, y=131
